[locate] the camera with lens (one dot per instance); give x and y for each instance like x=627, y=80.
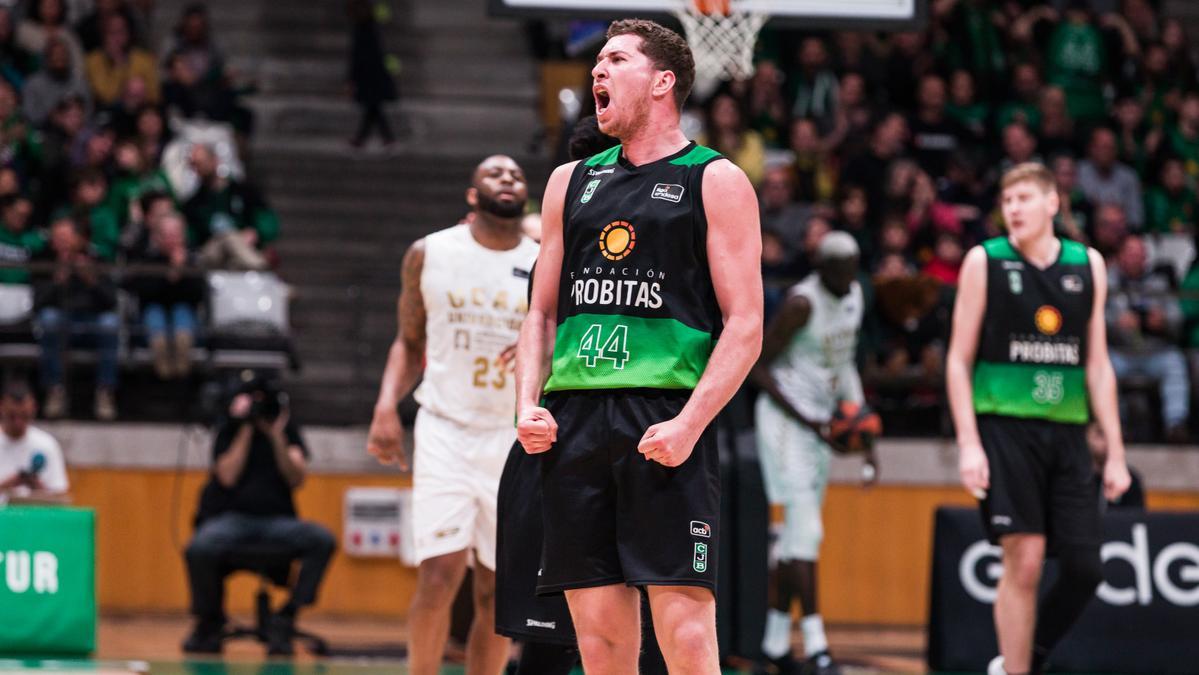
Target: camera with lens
x=268, y=400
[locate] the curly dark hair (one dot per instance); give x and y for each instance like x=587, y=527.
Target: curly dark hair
x=666, y=49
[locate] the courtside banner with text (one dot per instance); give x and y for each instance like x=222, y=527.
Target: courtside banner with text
x=1144, y=618
x=47, y=580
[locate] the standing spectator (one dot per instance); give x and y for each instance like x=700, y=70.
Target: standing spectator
x=371, y=85
x=1144, y=323
x=1078, y=62
x=193, y=42
x=1106, y=181
x=975, y=45
x=1075, y=215
x=934, y=134
x=16, y=62
x=76, y=306
x=727, y=133
x=965, y=108
x=53, y=83
x=116, y=61
x=226, y=218
x=870, y=169
x=18, y=244
x=1183, y=139
x=32, y=468
x=815, y=85
x=48, y=19
x=168, y=297
x=1179, y=52
x=1171, y=205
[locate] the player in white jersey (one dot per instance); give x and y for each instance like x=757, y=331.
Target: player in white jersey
x=807, y=367
x=462, y=302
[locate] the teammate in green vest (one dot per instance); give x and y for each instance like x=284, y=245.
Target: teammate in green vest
x=646, y=316
x=1027, y=367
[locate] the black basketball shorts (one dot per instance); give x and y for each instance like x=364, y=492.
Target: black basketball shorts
x=1042, y=481
x=519, y=612
x=613, y=517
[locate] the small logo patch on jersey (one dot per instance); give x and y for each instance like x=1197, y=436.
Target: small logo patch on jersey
x=1015, y=282
x=701, y=529
x=1001, y=520
x=593, y=172
x=589, y=191
x=668, y=192
x=519, y=273
x=1048, y=319
x=700, y=562
x=534, y=623
x=1072, y=283
x=617, y=240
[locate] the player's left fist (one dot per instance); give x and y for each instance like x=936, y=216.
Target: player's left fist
x=536, y=430
x=669, y=443
x=1115, y=479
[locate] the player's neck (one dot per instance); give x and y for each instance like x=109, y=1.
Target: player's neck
x=497, y=234
x=655, y=140
x=1041, y=250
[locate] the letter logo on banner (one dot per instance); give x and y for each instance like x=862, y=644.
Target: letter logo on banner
x=983, y=590
x=1188, y=573
x=1137, y=555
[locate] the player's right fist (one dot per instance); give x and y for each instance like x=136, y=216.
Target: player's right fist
x=536, y=430
x=386, y=438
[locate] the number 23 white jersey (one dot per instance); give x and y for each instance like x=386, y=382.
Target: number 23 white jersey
x=475, y=301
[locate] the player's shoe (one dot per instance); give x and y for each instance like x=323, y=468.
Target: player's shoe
x=821, y=663
x=995, y=667
x=783, y=665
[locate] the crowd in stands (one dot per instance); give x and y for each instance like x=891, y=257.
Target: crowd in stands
x=900, y=140
x=108, y=226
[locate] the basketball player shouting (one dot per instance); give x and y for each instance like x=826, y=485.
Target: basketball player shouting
x=1027, y=365
x=647, y=305
x=807, y=366
x=462, y=302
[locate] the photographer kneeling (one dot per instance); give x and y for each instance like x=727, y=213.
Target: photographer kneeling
x=259, y=458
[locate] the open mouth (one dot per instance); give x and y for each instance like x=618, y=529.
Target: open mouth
x=602, y=99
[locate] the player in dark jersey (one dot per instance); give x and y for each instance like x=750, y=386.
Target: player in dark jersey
x=1027, y=366
x=647, y=310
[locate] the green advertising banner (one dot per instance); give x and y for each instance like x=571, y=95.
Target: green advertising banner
x=47, y=580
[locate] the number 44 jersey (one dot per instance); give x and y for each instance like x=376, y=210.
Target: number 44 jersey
x=636, y=306
x=475, y=301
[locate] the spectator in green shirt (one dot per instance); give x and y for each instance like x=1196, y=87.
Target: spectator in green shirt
x=1023, y=107
x=1171, y=205
x=964, y=106
x=227, y=220
x=1077, y=62
x=17, y=243
x=1183, y=139
x=94, y=215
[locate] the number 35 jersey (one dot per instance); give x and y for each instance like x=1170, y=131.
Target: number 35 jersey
x=636, y=305
x=474, y=303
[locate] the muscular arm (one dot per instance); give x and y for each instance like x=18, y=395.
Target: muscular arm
x=791, y=318
x=968, y=314
x=1101, y=384
x=535, y=348
x=734, y=260
x=406, y=356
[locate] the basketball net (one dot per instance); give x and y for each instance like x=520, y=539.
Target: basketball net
x=722, y=37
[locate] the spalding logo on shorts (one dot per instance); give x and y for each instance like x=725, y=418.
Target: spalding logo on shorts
x=700, y=529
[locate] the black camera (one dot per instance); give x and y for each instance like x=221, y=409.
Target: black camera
x=269, y=401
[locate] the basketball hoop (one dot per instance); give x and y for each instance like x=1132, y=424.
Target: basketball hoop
x=722, y=34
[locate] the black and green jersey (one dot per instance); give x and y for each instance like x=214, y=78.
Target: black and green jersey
x=1032, y=348
x=636, y=306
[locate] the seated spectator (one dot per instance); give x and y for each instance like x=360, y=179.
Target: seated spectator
x=1144, y=323
x=815, y=88
x=1179, y=53
x=1056, y=135
x=168, y=296
x=1137, y=140
x=111, y=66
x=53, y=83
x=725, y=131
x=1134, y=497
x=1171, y=205
x=1106, y=181
x=815, y=170
x=1182, y=139
x=871, y=169
x=151, y=134
x=16, y=62
x=1023, y=105
x=851, y=132
x=91, y=27
x=134, y=176
x=853, y=216
x=780, y=211
x=122, y=115
x=144, y=213
x=1110, y=231
x=1019, y=146
x=18, y=139
x=1081, y=77
x=913, y=316
x=965, y=108
x=18, y=243
x=76, y=306
x=893, y=239
x=227, y=219
x=935, y=134
x=767, y=111
x=908, y=59
x=192, y=40
x=1075, y=215
x=258, y=459
x=47, y=19
x=94, y=215
x=32, y=468
x=946, y=263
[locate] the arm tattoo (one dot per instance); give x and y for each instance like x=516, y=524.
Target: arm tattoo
x=412, y=303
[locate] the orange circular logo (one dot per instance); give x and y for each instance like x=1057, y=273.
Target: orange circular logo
x=617, y=240
x=1048, y=319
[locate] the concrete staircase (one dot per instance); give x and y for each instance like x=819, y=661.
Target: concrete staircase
x=467, y=89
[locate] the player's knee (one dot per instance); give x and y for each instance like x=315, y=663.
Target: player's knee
x=802, y=536
x=1023, y=572
x=437, y=580
x=599, y=650
x=691, y=642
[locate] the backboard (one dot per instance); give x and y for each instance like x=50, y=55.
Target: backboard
x=813, y=14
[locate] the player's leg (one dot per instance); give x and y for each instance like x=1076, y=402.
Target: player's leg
x=805, y=532
x=685, y=622
x=1076, y=534
x=608, y=627
x=486, y=652
x=437, y=581
x=1016, y=599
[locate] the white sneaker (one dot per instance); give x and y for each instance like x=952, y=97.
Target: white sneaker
x=995, y=667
